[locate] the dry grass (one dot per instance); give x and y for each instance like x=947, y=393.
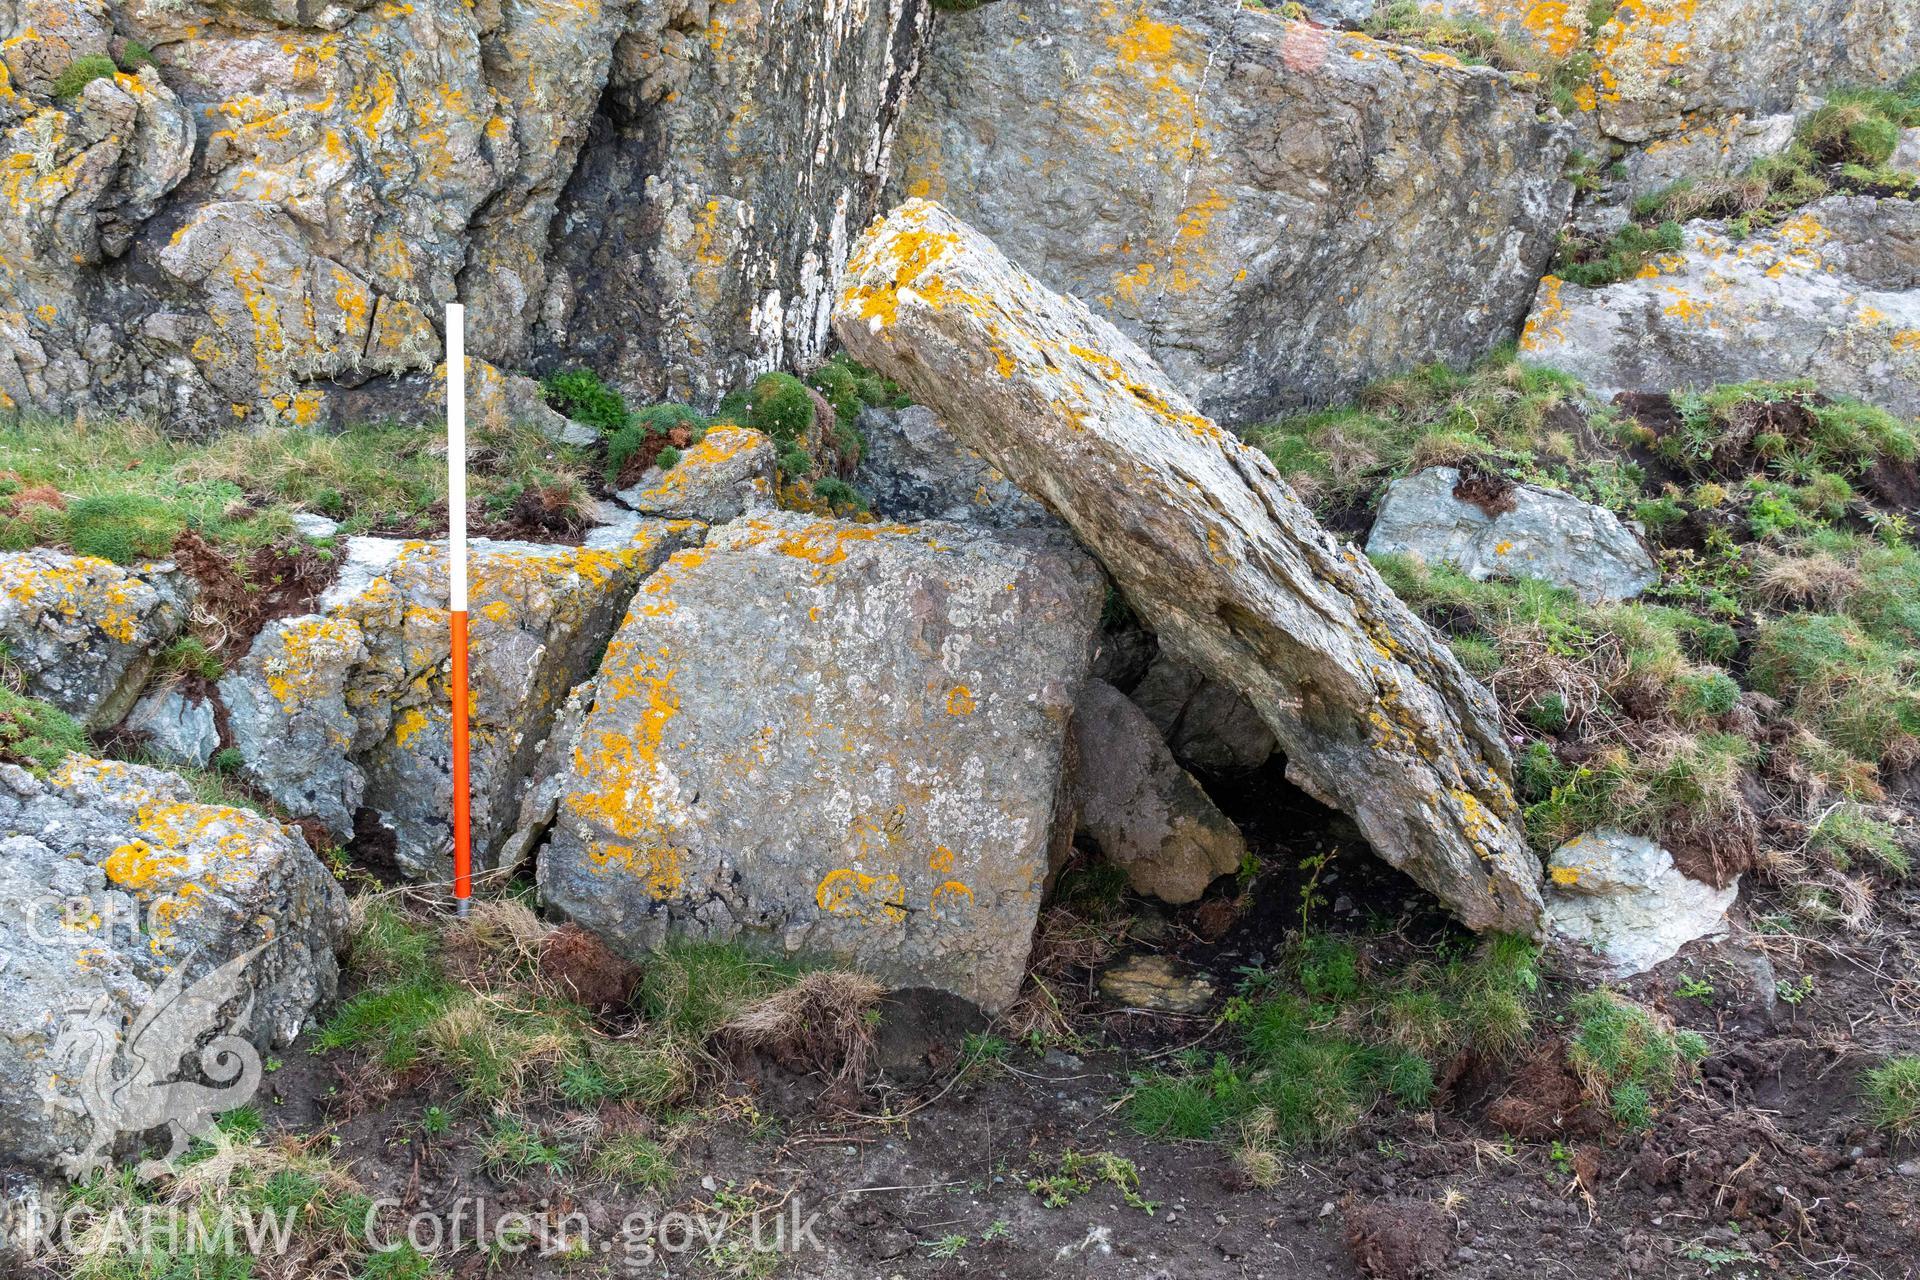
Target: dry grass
x=824, y=1022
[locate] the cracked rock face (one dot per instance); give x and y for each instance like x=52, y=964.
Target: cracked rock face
x=350, y=707
x=834, y=738
x=1522, y=531
x=113, y=878
x=1262, y=204
x=266, y=224
x=738, y=150
x=1213, y=550
x=84, y=632
x=1832, y=293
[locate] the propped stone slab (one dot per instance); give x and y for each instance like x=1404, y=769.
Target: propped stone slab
x=1212, y=548
x=834, y=738
x=351, y=708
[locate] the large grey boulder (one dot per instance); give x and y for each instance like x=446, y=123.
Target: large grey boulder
x=1832, y=294
x=1277, y=212
x=916, y=470
x=1624, y=897
x=114, y=883
x=1207, y=724
x=1214, y=552
x=349, y=708
x=1143, y=811
x=83, y=632
x=1512, y=531
x=834, y=738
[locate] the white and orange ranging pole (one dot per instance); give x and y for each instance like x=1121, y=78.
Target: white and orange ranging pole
x=457, y=596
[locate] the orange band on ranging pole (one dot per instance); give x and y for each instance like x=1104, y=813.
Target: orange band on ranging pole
x=462, y=827
x=457, y=596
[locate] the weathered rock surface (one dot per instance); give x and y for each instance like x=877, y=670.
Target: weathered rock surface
x=737, y=150
x=276, y=212
x=1522, y=531
x=497, y=400
x=1832, y=293
x=1146, y=813
x=1262, y=203
x=178, y=729
x=1906, y=154
x=1207, y=724
x=112, y=880
x=350, y=708
x=1158, y=984
x=1213, y=550
x=1624, y=897
x=835, y=738
x=727, y=474
x=916, y=470
x=1662, y=69
x=83, y=632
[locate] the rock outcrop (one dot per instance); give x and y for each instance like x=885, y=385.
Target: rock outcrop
x=267, y=220
x=1699, y=73
x=916, y=470
x=112, y=882
x=1143, y=811
x=837, y=738
x=1212, y=549
x=1624, y=897
x=82, y=633
x=349, y=708
x=737, y=150
x=1511, y=531
x=1832, y=294
x=1278, y=212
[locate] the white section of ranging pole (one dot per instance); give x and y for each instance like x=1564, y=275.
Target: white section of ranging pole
x=457, y=455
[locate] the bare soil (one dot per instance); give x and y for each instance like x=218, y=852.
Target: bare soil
x=1763, y=1167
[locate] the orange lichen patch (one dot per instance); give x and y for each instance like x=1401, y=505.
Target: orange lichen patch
x=1557, y=26
x=856, y=895
x=407, y=726
x=660, y=868
x=307, y=647
x=907, y=257
x=1544, y=326
x=1149, y=396
x=1641, y=46
x=79, y=589
x=949, y=899
x=621, y=786
x=721, y=444
x=1566, y=875
x=960, y=701
x=1907, y=340
x=140, y=867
